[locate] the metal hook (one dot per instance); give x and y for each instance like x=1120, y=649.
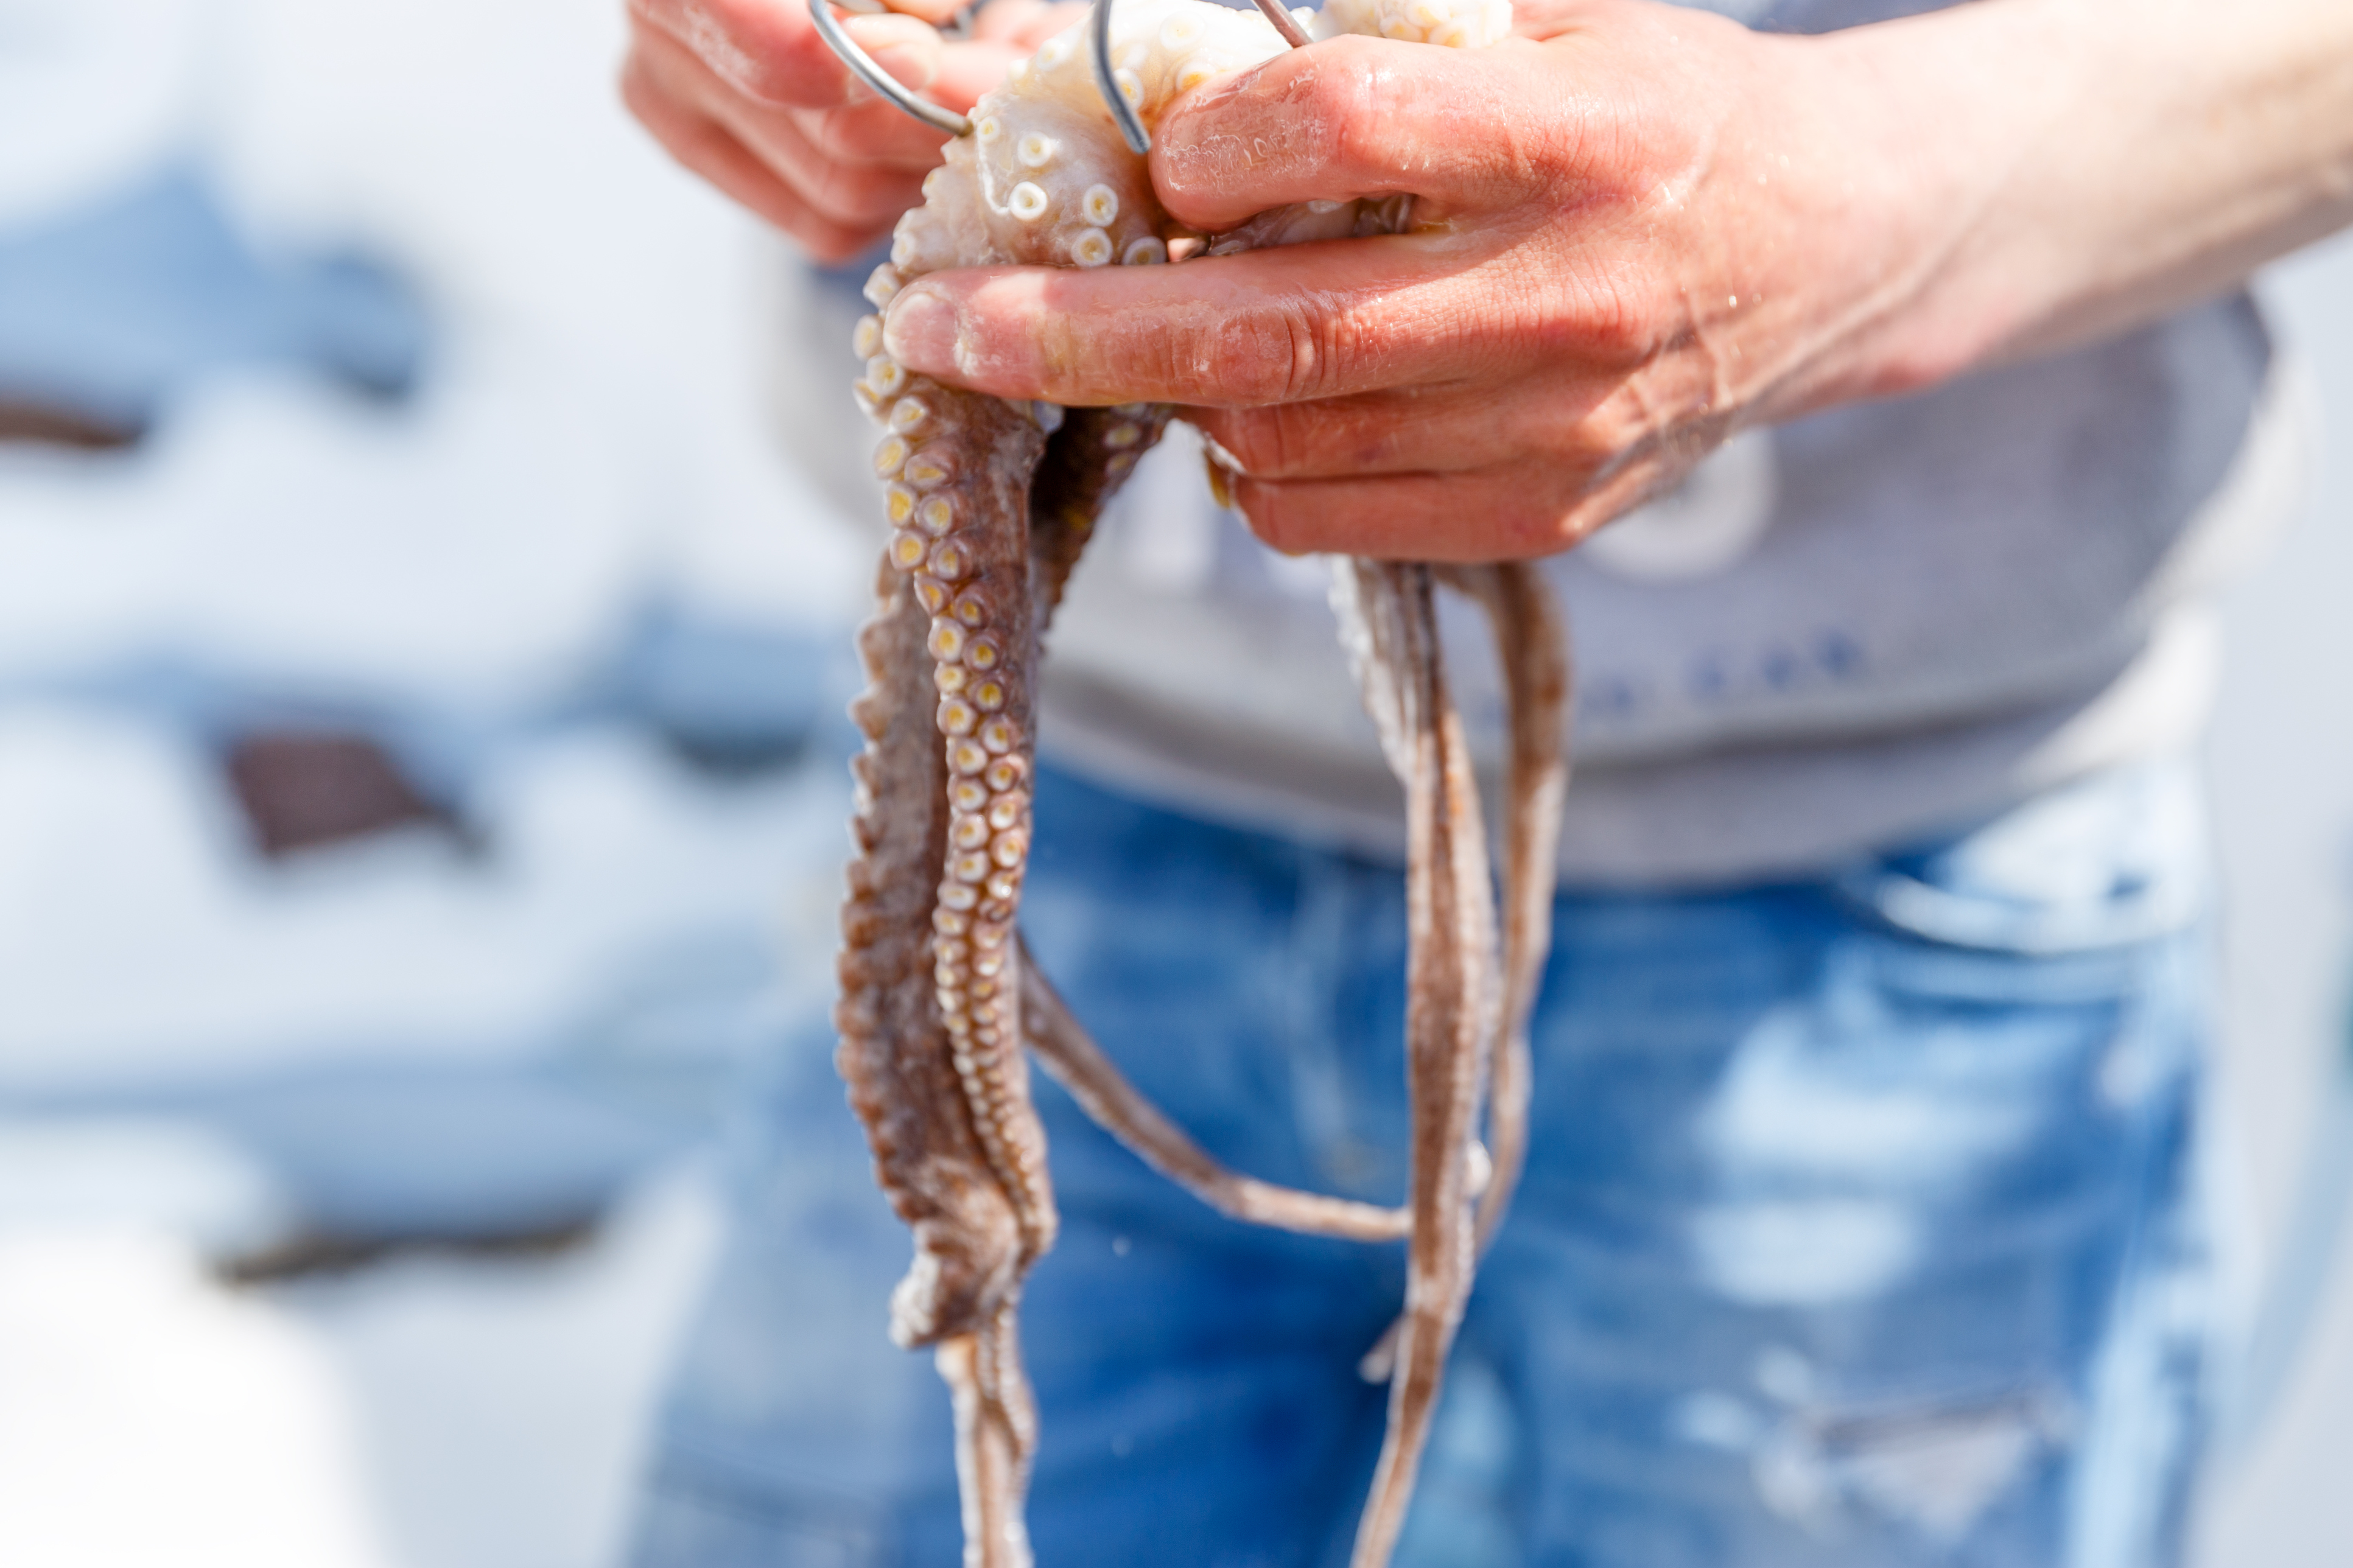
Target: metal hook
x=1286, y=23
x=937, y=116
x=1123, y=113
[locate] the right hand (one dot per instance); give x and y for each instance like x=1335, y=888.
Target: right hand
x=744, y=93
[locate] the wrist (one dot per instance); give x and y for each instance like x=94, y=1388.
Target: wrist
x=1902, y=143
x=2036, y=174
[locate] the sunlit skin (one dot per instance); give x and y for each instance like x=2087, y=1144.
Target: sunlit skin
x=1642, y=228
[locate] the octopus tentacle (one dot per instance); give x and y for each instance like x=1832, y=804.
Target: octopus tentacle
x=996, y=1433
x=966, y=549
x=1451, y=987
x=894, y=1052
x=1069, y=1055
x=943, y=805
x=1532, y=642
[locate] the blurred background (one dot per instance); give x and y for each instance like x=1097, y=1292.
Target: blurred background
x=421, y=664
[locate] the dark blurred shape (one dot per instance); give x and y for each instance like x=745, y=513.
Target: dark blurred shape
x=302, y=790
x=733, y=701
x=31, y=424
x=313, y=1254
x=107, y=312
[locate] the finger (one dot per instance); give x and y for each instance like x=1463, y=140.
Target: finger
x=1496, y=514
x=852, y=123
x=712, y=150
x=862, y=197
x=1027, y=24
x=1465, y=129
x=1295, y=324
x=1565, y=417
x=934, y=13
x=769, y=50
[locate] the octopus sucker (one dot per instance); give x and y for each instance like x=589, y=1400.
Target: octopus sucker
x=990, y=505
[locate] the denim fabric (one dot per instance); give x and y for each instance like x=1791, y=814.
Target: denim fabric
x=1858, y=1229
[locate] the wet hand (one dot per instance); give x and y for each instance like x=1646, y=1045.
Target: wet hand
x=744, y=93
x=1635, y=227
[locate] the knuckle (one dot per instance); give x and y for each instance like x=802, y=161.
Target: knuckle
x=1272, y=514
x=1262, y=442
x=1326, y=346
x=1241, y=359
x=1344, y=107
x=1614, y=318
x=1290, y=353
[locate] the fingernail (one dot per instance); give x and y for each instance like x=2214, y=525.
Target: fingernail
x=920, y=330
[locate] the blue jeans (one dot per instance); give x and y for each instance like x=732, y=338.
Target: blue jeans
x=1858, y=1229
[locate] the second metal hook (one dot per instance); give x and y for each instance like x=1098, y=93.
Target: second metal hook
x=1123, y=113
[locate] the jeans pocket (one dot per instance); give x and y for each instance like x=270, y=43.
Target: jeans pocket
x=2107, y=862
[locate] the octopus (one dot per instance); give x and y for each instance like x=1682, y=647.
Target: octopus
x=990, y=503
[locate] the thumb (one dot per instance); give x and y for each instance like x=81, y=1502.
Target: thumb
x=1355, y=117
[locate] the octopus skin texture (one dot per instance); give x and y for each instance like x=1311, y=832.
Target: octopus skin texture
x=990, y=503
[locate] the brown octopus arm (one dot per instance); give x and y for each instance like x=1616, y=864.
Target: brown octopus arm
x=1532, y=642
x=1069, y=1055
x=929, y=1019
x=894, y=1052
x=893, y=1056
x=1450, y=989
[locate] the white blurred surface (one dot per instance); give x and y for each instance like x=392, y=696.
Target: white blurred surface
x=429, y=1413
x=482, y=141
x=148, y=1417
x=119, y=855
x=90, y=92
x=501, y=1409
x=2281, y=761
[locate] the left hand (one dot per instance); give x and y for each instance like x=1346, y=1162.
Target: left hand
x=1634, y=232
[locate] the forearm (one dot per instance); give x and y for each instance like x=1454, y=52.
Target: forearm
x=2093, y=164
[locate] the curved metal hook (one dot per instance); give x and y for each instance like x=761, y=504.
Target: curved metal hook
x=937, y=116
x=1123, y=113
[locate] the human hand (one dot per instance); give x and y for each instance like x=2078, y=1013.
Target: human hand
x=1634, y=230
x=744, y=93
